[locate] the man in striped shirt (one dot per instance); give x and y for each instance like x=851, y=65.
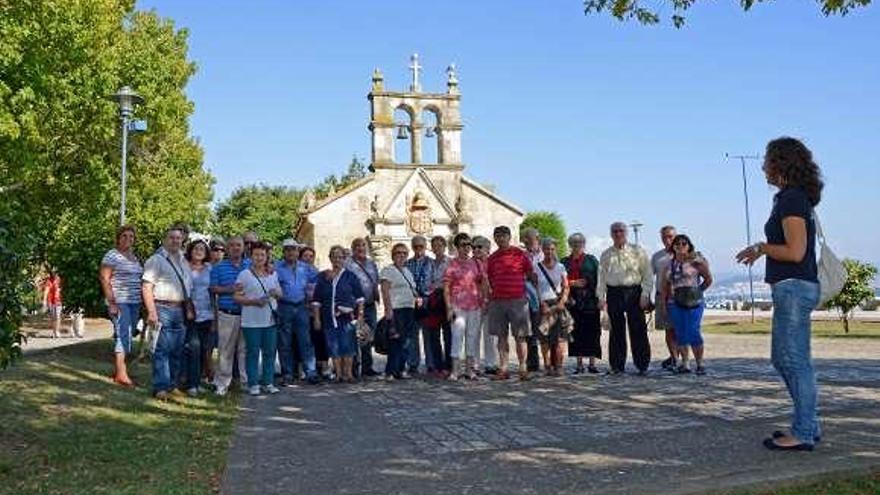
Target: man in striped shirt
x=507, y=270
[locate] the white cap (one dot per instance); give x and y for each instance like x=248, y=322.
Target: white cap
x=290, y=243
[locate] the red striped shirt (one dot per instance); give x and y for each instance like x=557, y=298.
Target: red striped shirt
x=506, y=270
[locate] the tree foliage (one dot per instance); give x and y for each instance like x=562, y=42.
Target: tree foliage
x=856, y=290
x=271, y=211
x=355, y=172
x=59, y=135
x=635, y=9
x=548, y=224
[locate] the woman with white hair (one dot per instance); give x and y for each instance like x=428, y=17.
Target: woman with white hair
x=583, y=271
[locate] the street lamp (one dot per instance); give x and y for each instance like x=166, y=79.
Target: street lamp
x=635, y=226
x=126, y=98
x=742, y=160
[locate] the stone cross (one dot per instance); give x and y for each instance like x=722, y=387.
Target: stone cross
x=415, y=68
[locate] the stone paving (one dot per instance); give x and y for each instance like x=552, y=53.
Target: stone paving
x=584, y=434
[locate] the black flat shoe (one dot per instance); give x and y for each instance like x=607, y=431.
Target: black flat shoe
x=780, y=434
x=771, y=444
x=592, y=369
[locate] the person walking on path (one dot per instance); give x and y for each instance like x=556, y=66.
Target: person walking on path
x=120, y=276
x=400, y=299
x=200, y=331
x=583, y=270
x=293, y=326
x=659, y=264
x=257, y=291
x=367, y=273
x=683, y=283
x=166, y=291
x=52, y=301
x=792, y=273
x=624, y=290
x=230, y=340
x=339, y=299
x=462, y=290
x=507, y=269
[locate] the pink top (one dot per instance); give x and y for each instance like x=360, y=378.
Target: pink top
x=464, y=278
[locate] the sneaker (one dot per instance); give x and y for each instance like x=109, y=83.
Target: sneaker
x=389, y=377
x=221, y=391
x=682, y=370
x=161, y=395
x=313, y=380
x=668, y=363
x=271, y=389
x=254, y=391
x=193, y=392
x=404, y=375
x=452, y=377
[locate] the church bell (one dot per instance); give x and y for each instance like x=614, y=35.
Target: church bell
x=429, y=133
x=401, y=132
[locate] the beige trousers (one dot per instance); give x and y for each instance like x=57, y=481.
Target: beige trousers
x=230, y=340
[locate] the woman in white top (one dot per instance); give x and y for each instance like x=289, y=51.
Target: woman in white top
x=257, y=293
x=556, y=322
x=400, y=300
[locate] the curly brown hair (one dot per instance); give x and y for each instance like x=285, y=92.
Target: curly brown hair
x=789, y=163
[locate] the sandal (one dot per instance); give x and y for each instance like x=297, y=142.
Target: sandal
x=501, y=375
x=771, y=444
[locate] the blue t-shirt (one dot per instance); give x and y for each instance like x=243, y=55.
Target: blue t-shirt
x=224, y=274
x=791, y=202
x=294, y=281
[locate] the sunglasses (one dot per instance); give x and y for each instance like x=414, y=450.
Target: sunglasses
x=218, y=249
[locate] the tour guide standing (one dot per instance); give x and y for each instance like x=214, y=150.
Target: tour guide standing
x=624, y=290
x=792, y=273
x=166, y=288
x=367, y=273
x=230, y=340
x=507, y=270
x=294, y=327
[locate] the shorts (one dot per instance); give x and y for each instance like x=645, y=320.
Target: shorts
x=54, y=311
x=509, y=316
x=662, y=320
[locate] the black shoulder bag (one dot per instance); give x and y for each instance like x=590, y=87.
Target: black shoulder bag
x=189, y=309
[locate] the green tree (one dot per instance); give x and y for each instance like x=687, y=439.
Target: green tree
x=635, y=9
x=548, y=224
x=355, y=172
x=271, y=211
x=59, y=135
x=856, y=290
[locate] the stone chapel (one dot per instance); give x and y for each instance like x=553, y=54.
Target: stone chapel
x=400, y=200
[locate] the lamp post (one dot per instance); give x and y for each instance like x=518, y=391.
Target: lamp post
x=635, y=226
x=126, y=98
x=742, y=160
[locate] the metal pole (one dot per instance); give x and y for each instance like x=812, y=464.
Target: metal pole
x=742, y=160
x=124, y=164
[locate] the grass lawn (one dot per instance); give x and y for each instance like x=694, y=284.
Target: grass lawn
x=66, y=428
x=853, y=484
x=825, y=329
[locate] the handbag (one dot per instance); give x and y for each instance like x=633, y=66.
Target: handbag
x=688, y=297
x=189, y=308
x=382, y=336
x=272, y=304
x=563, y=317
x=832, y=274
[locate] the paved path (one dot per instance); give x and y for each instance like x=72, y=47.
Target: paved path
x=39, y=334
x=596, y=434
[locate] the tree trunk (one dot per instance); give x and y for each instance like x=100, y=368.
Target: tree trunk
x=846, y=324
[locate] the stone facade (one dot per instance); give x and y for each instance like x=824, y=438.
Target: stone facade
x=400, y=200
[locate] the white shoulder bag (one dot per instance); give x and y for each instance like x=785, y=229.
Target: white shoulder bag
x=832, y=273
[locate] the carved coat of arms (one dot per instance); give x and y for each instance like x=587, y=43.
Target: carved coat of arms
x=419, y=218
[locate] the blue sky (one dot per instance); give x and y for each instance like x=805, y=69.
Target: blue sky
x=596, y=119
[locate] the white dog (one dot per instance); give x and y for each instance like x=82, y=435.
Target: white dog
x=78, y=323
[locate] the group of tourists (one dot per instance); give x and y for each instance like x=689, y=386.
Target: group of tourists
x=463, y=303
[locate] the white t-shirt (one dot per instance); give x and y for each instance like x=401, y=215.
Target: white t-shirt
x=556, y=273
x=257, y=316
x=401, y=288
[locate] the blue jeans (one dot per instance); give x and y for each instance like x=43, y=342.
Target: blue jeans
x=260, y=342
x=169, y=348
x=412, y=354
x=405, y=326
x=293, y=334
x=793, y=301
x=124, y=325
